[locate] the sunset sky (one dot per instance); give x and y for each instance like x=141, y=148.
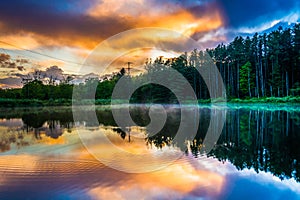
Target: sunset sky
x=40, y=34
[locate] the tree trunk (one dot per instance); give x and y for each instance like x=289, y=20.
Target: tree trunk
x=249, y=85
x=261, y=79
x=238, y=80
x=287, y=83
x=272, y=82
x=257, y=80
x=287, y=123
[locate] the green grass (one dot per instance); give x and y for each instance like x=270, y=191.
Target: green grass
x=68, y=102
x=277, y=100
x=33, y=102
x=51, y=102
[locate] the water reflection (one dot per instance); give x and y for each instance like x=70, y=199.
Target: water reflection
x=264, y=140
x=254, y=139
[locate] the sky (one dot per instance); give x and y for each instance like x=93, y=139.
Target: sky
x=40, y=34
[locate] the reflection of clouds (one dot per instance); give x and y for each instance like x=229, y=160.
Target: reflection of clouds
x=66, y=164
x=176, y=181
x=130, y=155
x=184, y=178
x=15, y=165
x=68, y=167
x=247, y=184
x=134, y=191
x=54, y=130
x=267, y=178
x=17, y=136
x=12, y=123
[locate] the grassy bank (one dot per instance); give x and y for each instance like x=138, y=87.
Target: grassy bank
x=68, y=102
x=276, y=100
x=40, y=103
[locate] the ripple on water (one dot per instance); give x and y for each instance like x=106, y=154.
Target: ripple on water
x=21, y=173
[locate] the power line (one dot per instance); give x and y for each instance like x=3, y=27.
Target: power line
x=24, y=56
x=38, y=53
x=55, y=58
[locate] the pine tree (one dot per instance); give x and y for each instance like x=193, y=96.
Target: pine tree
x=246, y=80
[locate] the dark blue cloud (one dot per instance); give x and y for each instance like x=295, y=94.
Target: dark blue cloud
x=56, y=19
x=252, y=13
x=59, y=6
x=59, y=18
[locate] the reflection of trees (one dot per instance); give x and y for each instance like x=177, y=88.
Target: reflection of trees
x=51, y=122
x=37, y=121
x=167, y=135
x=120, y=132
x=17, y=135
x=5, y=145
x=262, y=140
x=54, y=129
x=12, y=137
x=259, y=139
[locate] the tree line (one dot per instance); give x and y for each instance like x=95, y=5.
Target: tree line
x=266, y=65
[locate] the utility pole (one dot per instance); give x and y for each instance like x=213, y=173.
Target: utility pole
x=25, y=81
x=128, y=67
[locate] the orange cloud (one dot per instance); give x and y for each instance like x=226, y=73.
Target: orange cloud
x=142, y=13
x=25, y=40
x=84, y=31
x=185, y=22
x=104, y=19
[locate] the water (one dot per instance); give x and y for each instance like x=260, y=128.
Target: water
x=256, y=156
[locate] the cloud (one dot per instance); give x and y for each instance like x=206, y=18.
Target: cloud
x=105, y=18
x=18, y=39
x=79, y=26
x=253, y=13
x=70, y=29
x=52, y=73
x=183, y=16
x=51, y=27
x=248, y=17
x=4, y=57
x=7, y=62
x=33, y=24
x=10, y=82
x=21, y=68
x=136, y=46
x=14, y=79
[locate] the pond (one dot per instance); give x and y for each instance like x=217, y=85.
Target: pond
x=217, y=152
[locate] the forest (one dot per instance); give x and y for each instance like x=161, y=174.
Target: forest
x=263, y=66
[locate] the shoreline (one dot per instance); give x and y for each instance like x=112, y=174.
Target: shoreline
x=11, y=103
